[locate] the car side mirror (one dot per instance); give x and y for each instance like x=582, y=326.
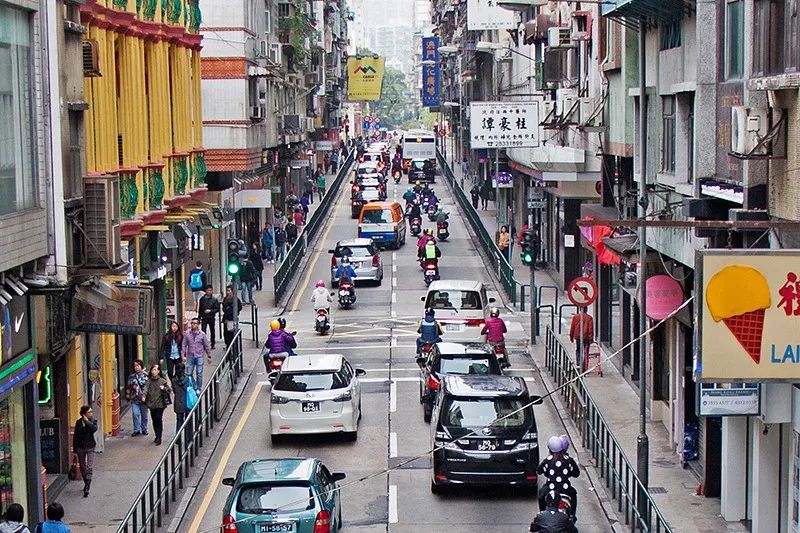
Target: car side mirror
x=338, y=476
x=361, y=372
x=492, y=300
x=229, y=481
x=421, y=298
x=421, y=362
x=331, y=251
x=294, y=333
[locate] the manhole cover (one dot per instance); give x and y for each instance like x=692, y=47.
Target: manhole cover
x=657, y=490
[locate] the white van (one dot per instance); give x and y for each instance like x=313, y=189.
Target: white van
x=461, y=306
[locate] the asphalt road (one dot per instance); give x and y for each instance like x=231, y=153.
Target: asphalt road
x=378, y=335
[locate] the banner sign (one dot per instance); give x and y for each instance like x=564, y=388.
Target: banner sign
x=749, y=315
x=728, y=399
x=323, y=146
x=430, y=85
x=364, y=78
x=504, y=124
x=129, y=313
x=487, y=15
x=430, y=49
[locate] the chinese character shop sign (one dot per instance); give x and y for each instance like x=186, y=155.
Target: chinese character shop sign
x=504, y=124
x=749, y=315
x=488, y=15
x=430, y=73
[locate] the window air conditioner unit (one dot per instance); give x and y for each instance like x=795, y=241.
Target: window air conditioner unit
x=547, y=111
x=559, y=37
x=101, y=221
x=748, y=127
x=590, y=114
x=581, y=28
x=291, y=122
x=310, y=126
x=257, y=112
x=567, y=100
x=275, y=54
x=263, y=49
x=312, y=78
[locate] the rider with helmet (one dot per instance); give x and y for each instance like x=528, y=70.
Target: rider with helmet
x=551, y=520
x=409, y=196
x=495, y=330
x=427, y=236
x=320, y=297
x=417, y=187
x=346, y=273
x=431, y=252
x=430, y=331
x=278, y=341
x=558, y=467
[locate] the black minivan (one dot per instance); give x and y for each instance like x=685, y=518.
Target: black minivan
x=474, y=443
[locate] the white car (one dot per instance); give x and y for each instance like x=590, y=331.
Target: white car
x=461, y=307
x=315, y=394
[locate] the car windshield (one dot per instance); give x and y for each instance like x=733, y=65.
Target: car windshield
x=310, y=381
x=378, y=216
x=355, y=251
x=417, y=165
x=473, y=413
x=367, y=169
x=459, y=365
x=263, y=498
x=454, y=299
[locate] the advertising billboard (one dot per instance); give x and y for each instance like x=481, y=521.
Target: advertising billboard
x=487, y=15
x=364, y=78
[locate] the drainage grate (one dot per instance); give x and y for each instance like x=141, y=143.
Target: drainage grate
x=657, y=490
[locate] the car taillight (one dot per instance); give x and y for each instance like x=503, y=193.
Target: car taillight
x=433, y=383
x=355, y=202
x=229, y=524
x=376, y=261
x=322, y=524
x=274, y=398
x=346, y=397
x=275, y=363
x=430, y=266
x=474, y=322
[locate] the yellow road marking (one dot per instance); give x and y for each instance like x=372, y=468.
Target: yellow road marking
x=223, y=461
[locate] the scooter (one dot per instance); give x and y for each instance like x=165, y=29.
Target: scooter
x=425, y=349
x=431, y=271
x=321, y=322
x=501, y=353
x=346, y=295
x=442, y=231
x=416, y=226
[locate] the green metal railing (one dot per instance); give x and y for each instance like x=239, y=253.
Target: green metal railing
x=283, y=274
x=504, y=270
x=633, y=499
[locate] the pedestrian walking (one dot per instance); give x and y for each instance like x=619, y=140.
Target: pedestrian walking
x=475, y=194
x=179, y=384
x=280, y=243
x=321, y=186
x=258, y=265
x=134, y=393
x=581, y=338
x=334, y=162
x=231, y=307
x=207, y=312
x=13, y=518
x=327, y=161
x=486, y=193
x=197, y=280
x=291, y=233
x=247, y=277
x=308, y=185
x=171, y=346
x=279, y=217
x=196, y=348
x=83, y=444
x=464, y=167
x=268, y=243
x=158, y=398
x=304, y=203
x=504, y=242
x=53, y=524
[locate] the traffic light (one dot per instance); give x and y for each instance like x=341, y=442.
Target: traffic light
x=237, y=253
x=530, y=246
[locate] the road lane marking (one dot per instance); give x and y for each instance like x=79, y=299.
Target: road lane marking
x=223, y=461
x=393, y=396
x=393, y=344
x=394, y=313
x=394, y=297
x=392, y=444
x=394, y=268
x=392, y=504
x=394, y=281
x=394, y=257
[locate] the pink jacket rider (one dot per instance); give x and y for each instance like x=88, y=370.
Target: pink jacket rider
x=494, y=329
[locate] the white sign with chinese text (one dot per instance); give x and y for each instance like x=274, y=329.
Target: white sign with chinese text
x=487, y=15
x=504, y=124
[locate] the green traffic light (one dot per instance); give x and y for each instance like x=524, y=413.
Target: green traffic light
x=233, y=268
x=527, y=258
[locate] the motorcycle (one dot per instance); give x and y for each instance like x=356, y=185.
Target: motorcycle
x=565, y=503
x=425, y=349
x=501, y=353
x=431, y=271
x=322, y=323
x=416, y=226
x=442, y=231
x=347, y=295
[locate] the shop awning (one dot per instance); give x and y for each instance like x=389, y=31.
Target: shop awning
x=654, y=12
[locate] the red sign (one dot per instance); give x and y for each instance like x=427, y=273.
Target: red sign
x=582, y=291
x=664, y=295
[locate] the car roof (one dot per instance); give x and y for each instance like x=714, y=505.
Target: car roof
x=381, y=205
x=278, y=469
x=462, y=348
x=484, y=386
x=350, y=243
x=329, y=362
x=455, y=284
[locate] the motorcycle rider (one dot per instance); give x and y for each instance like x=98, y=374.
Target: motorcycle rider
x=321, y=297
x=417, y=187
x=431, y=252
x=559, y=466
x=495, y=330
x=278, y=341
x=414, y=212
x=346, y=273
x=430, y=331
x=427, y=235
x=441, y=216
x=409, y=196
x=551, y=520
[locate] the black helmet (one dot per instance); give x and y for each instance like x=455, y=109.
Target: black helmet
x=282, y=322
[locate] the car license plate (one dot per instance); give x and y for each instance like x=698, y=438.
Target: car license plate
x=269, y=528
x=452, y=327
x=308, y=407
x=487, y=445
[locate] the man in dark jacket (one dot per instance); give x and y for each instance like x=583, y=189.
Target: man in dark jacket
x=291, y=233
x=83, y=443
x=551, y=520
x=280, y=244
x=231, y=307
x=207, y=311
x=258, y=265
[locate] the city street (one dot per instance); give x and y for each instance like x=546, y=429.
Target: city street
x=378, y=335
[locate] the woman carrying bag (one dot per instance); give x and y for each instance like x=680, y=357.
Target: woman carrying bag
x=83, y=444
x=157, y=399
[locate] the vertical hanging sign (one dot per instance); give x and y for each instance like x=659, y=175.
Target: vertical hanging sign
x=430, y=71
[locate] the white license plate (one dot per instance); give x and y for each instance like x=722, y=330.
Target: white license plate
x=430, y=272
x=487, y=445
x=452, y=327
x=344, y=293
x=269, y=528
x=309, y=407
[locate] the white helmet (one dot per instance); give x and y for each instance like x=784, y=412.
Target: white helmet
x=554, y=444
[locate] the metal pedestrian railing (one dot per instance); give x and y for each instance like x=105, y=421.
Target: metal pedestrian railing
x=160, y=491
x=284, y=271
x=633, y=499
x=504, y=270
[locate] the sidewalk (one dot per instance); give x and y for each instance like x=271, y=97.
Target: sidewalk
x=126, y=462
x=672, y=486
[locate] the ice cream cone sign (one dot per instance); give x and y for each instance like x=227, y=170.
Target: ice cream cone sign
x=739, y=295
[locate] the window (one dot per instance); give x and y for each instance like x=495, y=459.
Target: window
x=668, y=134
x=690, y=143
x=17, y=161
x=464, y=413
x=671, y=35
x=734, y=39
x=768, y=29
x=267, y=19
x=791, y=35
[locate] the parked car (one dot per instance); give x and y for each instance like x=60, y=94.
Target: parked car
x=293, y=494
x=461, y=306
x=450, y=359
x=484, y=433
x=364, y=256
x=317, y=393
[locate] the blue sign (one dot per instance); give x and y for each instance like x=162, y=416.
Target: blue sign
x=430, y=72
x=430, y=49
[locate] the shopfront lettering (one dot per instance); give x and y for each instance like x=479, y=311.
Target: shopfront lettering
x=791, y=354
